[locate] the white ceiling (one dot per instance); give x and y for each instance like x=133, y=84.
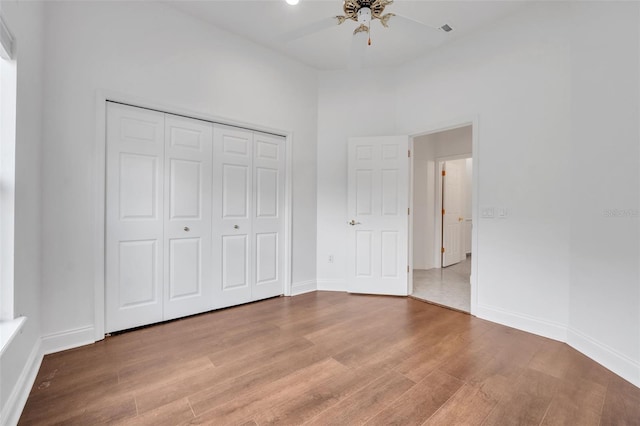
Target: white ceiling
x=267, y=21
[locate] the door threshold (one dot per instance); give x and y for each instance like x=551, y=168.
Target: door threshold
x=439, y=304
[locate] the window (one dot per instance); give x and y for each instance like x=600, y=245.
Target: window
x=7, y=171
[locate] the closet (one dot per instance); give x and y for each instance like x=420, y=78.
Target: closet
x=194, y=216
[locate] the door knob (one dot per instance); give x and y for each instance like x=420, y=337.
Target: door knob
x=460, y=219
x=353, y=223
x=236, y=227
x=186, y=229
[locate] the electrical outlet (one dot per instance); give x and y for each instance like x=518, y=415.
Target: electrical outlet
x=330, y=258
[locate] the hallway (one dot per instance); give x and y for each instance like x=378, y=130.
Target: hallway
x=448, y=286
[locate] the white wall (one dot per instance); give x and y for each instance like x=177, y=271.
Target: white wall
x=25, y=21
x=515, y=79
x=344, y=109
x=150, y=51
x=450, y=143
x=605, y=189
x=553, y=104
x=424, y=193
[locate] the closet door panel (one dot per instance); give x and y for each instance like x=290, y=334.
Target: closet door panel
x=134, y=217
x=267, y=192
x=232, y=225
x=267, y=257
x=235, y=262
x=185, y=255
x=267, y=215
x=186, y=193
x=235, y=191
x=187, y=205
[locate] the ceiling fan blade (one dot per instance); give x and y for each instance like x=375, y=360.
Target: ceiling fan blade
x=424, y=32
x=357, y=50
x=314, y=27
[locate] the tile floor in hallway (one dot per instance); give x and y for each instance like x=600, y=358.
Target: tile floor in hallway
x=445, y=286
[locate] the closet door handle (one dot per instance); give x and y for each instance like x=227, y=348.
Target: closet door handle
x=236, y=227
x=186, y=229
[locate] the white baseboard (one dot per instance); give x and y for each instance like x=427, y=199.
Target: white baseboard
x=523, y=322
x=303, y=287
x=18, y=398
x=68, y=339
x=331, y=285
x=609, y=358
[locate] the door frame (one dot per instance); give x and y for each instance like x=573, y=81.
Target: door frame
x=99, y=187
x=472, y=121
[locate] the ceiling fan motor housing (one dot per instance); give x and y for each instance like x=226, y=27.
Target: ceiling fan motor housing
x=376, y=8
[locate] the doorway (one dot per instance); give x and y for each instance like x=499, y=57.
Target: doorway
x=442, y=217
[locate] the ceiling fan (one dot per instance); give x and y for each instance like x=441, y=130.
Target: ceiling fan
x=365, y=12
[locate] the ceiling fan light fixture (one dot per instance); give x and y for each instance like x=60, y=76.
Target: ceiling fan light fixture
x=364, y=16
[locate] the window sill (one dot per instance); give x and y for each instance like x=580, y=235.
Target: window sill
x=8, y=330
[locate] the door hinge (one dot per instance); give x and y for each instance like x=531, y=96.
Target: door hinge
x=408, y=211
x=444, y=173
x=442, y=251
x=442, y=212
x=409, y=153
x=407, y=268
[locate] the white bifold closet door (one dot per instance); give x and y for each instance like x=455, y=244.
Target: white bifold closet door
x=134, y=217
x=248, y=236
x=194, y=216
x=158, y=236
x=187, y=208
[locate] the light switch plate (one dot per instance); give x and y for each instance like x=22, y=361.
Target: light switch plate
x=487, y=213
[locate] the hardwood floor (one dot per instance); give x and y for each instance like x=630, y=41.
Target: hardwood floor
x=329, y=359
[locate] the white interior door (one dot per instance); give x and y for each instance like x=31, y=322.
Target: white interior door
x=268, y=215
x=452, y=212
x=232, y=224
x=378, y=203
x=187, y=203
x=134, y=217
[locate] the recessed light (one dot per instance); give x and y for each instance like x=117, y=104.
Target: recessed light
x=292, y=2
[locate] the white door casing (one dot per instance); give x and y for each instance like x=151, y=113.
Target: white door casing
x=187, y=227
x=453, y=215
x=134, y=217
x=378, y=203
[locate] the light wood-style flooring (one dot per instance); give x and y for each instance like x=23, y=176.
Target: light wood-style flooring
x=329, y=359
